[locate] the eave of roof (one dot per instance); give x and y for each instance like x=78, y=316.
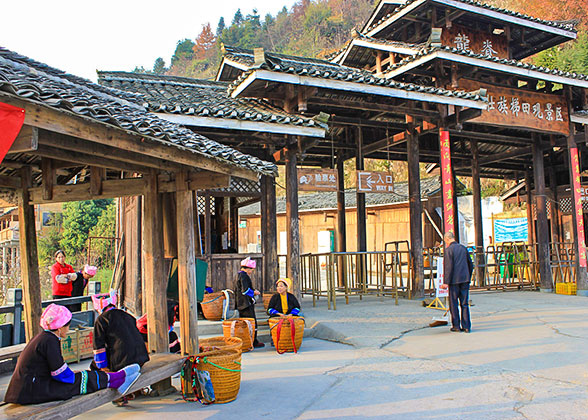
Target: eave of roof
x=492, y=63
x=30, y=81
x=376, y=44
x=557, y=28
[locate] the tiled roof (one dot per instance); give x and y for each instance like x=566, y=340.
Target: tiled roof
x=375, y=41
x=565, y=25
x=311, y=67
x=514, y=63
x=328, y=200
x=203, y=98
x=33, y=81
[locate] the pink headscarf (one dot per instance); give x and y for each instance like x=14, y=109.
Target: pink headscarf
x=54, y=317
x=90, y=270
x=248, y=262
x=102, y=301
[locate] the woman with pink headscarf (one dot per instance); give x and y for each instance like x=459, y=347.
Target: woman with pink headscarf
x=41, y=374
x=245, y=294
x=80, y=283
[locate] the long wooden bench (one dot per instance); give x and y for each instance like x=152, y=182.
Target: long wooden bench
x=11, y=352
x=160, y=367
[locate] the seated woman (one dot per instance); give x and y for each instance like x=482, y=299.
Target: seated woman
x=173, y=315
x=41, y=374
x=283, y=302
x=117, y=341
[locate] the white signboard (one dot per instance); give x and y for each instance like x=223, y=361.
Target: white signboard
x=439, y=292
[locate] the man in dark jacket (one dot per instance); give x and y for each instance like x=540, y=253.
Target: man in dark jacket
x=457, y=272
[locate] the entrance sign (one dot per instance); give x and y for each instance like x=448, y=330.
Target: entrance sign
x=317, y=179
x=577, y=197
x=447, y=183
x=478, y=42
x=375, y=182
x=521, y=108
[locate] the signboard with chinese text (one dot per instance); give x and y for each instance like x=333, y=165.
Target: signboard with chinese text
x=511, y=230
x=577, y=207
x=375, y=182
x=317, y=179
x=521, y=108
x=447, y=183
x=477, y=42
x=439, y=292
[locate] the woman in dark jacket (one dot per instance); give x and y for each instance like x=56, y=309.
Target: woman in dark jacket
x=283, y=302
x=245, y=294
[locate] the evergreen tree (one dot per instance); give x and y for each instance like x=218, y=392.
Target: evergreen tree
x=238, y=18
x=159, y=66
x=78, y=218
x=184, y=51
x=220, y=27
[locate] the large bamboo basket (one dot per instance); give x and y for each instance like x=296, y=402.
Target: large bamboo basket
x=266, y=300
x=243, y=328
x=285, y=342
x=221, y=358
x=212, y=306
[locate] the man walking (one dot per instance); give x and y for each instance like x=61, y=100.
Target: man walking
x=457, y=272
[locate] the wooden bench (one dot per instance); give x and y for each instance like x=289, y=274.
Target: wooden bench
x=10, y=352
x=161, y=366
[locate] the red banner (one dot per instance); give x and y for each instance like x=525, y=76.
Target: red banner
x=11, y=121
x=577, y=197
x=447, y=182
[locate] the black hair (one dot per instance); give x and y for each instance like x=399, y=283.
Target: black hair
x=59, y=251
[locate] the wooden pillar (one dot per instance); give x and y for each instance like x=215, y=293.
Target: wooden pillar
x=361, y=211
x=478, y=222
x=292, y=228
x=341, y=229
x=207, y=226
x=186, y=266
x=29, y=262
x=577, y=211
x=541, y=209
x=219, y=225
x=416, y=211
x=170, y=238
x=530, y=219
x=555, y=235
x=234, y=225
x=155, y=280
x=447, y=183
x=269, y=232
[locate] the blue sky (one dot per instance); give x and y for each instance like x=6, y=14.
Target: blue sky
x=82, y=36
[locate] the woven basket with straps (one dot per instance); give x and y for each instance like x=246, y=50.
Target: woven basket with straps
x=287, y=333
x=244, y=328
x=212, y=306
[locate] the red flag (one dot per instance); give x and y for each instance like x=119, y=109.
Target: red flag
x=11, y=121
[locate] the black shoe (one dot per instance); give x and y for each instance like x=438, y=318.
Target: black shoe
x=258, y=345
x=454, y=329
x=467, y=331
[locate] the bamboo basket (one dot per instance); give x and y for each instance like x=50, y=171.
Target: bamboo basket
x=243, y=328
x=285, y=343
x=212, y=306
x=266, y=299
x=221, y=358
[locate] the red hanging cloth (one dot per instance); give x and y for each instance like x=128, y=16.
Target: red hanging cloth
x=11, y=121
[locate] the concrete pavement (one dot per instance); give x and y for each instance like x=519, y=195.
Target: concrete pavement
x=526, y=358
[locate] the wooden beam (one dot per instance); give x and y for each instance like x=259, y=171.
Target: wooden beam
x=65, y=122
x=97, y=176
x=155, y=278
x=48, y=178
x=26, y=141
x=374, y=107
x=29, y=262
x=415, y=211
x=520, y=152
x=397, y=138
x=186, y=265
x=78, y=192
x=292, y=225
x=13, y=182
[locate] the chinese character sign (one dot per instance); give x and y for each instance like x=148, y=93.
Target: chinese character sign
x=317, y=179
x=447, y=182
x=375, y=182
x=478, y=42
x=577, y=197
x=521, y=108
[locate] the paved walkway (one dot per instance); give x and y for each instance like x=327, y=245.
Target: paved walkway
x=526, y=358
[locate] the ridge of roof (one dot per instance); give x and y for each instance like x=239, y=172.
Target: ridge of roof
x=33, y=81
x=198, y=97
x=514, y=63
x=327, y=70
x=568, y=25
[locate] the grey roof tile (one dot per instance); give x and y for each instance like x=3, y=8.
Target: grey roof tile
x=313, y=67
x=205, y=98
x=34, y=81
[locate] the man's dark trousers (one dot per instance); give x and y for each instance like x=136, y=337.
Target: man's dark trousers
x=459, y=296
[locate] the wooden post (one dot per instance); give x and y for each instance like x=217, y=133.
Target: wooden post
x=530, y=219
x=577, y=210
x=207, y=226
x=186, y=266
x=269, y=232
x=555, y=236
x=219, y=225
x=155, y=280
x=170, y=236
x=29, y=262
x=48, y=177
x=292, y=228
x=447, y=183
x=416, y=211
x=341, y=229
x=234, y=225
x=542, y=227
x=361, y=211
x=478, y=222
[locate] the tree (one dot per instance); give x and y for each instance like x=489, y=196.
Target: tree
x=102, y=252
x=184, y=51
x=238, y=18
x=159, y=66
x=205, y=43
x=220, y=27
x=78, y=218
